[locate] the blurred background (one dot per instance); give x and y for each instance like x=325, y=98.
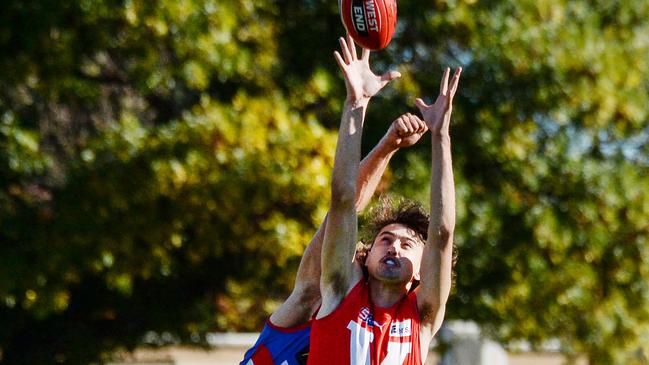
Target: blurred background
x=163, y=164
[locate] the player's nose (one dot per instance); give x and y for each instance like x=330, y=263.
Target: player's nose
x=393, y=249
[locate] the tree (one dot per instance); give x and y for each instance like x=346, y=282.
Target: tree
x=551, y=145
x=149, y=176
x=164, y=163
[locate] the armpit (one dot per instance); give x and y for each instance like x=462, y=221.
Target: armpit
x=427, y=313
x=338, y=284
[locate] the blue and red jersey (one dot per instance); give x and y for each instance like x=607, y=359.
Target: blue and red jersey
x=280, y=346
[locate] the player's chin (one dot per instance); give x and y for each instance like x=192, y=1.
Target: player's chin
x=392, y=275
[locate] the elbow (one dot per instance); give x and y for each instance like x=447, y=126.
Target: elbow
x=442, y=233
x=446, y=233
x=343, y=194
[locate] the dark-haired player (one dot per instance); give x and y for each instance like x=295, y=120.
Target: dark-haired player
x=377, y=319
x=284, y=339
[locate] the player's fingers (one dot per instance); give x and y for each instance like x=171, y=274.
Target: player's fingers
x=352, y=47
x=410, y=124
x=419, y=103
x=339, y=60
x=391, y=75
x=346, y=55
x=420, y=126
x=455, y=81
x=416, y=128
x=366, y=54
x=401, y=127
x=443, y=87
x=423, y=125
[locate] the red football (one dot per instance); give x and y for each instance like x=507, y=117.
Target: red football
x=371, y=23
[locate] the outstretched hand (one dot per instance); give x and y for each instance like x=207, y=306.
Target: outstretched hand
x=438, y=115
x=360, y=81
x=405, y=131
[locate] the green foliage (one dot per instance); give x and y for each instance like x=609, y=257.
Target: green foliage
x=164, y=163
x=168, y=225
x=551, y=140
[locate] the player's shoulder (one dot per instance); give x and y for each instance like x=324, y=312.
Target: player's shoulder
x=272, y=334
x=273, y=328
x=276, y=342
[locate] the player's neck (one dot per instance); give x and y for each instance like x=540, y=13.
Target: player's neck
x=386, y=295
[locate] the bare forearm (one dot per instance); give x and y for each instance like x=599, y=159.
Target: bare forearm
x=305, y=297
x=442, y=192
x=347, y=157
x=438, y=257
x=371, y=170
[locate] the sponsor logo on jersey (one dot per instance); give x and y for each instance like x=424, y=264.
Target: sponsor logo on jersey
x=366, y=316
x=401, y=329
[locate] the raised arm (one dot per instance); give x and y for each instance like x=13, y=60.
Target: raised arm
x=437, y=260
x=305, y=297
x=405, y=131
x=338, y=270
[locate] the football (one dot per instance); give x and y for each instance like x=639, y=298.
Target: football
x=371, y=23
